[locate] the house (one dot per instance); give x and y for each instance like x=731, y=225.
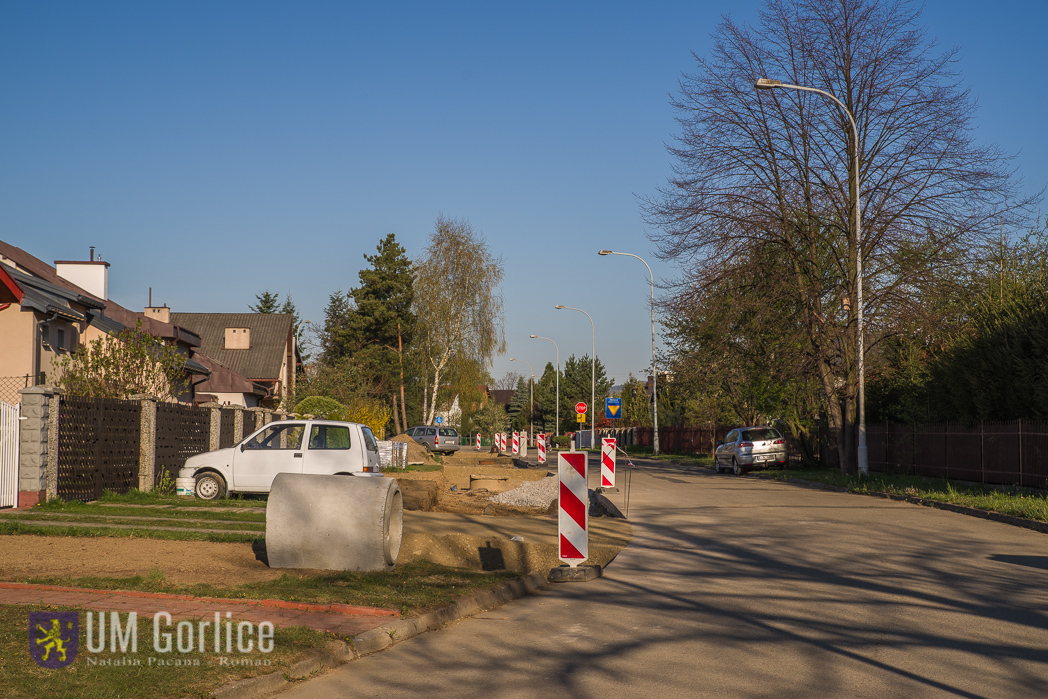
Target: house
x=258, y=346
x=48, y=312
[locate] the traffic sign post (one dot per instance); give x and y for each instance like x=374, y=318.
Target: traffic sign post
x=573, y=520
x=608, y=446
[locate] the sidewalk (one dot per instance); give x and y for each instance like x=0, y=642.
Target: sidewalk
x=341, y=619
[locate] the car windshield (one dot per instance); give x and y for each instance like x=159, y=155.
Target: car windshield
x=760, y=434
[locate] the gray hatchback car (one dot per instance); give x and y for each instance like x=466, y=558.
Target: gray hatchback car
x=439, y=439
x=747, y=448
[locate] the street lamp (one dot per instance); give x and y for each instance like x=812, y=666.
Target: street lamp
x=593, y=371
x=769, y=84
x=539, y=337
x=654, y=369
x=531, y=415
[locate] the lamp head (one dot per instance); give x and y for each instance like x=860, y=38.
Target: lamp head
x=512, y=359
x=534, y=336
x=604, y=252
x=559, y=306
x=767, y=84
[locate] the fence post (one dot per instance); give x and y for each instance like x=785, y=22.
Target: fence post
x=146, y=441
x=260, y=417
x=982, y=450
x=238, y=424
x=215, y=431
x=52, y=444
x=33, y=444
x=1020, y=451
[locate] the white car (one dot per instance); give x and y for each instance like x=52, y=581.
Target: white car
x=322, y=447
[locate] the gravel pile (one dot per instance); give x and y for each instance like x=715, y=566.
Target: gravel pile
x=530, y=494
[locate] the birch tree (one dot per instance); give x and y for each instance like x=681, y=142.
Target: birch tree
x=458, y=306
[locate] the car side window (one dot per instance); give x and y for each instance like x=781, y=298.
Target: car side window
x=448, y=432
x=329, y=437
x=732, y=436
x=431, y=431
x=278, y=436
x=369, y=439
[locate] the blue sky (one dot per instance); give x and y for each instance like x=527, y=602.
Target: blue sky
x=214, y=150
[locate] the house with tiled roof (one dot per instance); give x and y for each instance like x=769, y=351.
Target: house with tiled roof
x=258, y=346
x=47, y=312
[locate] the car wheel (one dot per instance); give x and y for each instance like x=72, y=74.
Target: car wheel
x=210, y=486
x=735, y=467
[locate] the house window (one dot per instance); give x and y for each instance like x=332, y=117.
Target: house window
x=60, y=338
x=238, y=338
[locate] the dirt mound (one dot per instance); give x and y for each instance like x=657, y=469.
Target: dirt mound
x=417, y=454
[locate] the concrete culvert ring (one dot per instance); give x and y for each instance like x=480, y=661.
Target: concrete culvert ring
x=393, y=525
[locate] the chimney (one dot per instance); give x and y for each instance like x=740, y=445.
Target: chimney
x=91, y=275
x=161, y=313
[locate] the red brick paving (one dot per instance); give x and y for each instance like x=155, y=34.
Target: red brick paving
x=344, y=619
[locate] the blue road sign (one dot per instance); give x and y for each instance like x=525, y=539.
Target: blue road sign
x=439, y=419
x=613, y=408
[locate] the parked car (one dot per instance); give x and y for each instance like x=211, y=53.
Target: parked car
x=325, y=447
x=439, y=439
x=746, y=448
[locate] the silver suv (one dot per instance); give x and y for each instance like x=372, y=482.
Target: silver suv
x=746, y=448
x=439, y=439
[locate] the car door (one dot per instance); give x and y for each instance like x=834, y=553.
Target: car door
x=430, y=438
x=371, y=450
x=330, y=449
x=725, y=451
x=276, y=448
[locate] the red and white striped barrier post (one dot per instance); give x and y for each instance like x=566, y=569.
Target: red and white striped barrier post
x=541, y=443
x=502, y=441
x=516, y=443
x=478, y=441
x=607, y=462
x=573, y=522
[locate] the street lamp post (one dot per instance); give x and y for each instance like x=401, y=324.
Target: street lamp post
x=654, y=369
x=531, y=385
x=768, y=84
x=539, y=337
x=593, y=372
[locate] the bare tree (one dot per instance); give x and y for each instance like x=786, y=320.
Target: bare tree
x=458, y=305
x=509, y=381
x=767, y=176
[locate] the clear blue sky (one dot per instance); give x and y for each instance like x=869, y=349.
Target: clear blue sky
x=212, y=150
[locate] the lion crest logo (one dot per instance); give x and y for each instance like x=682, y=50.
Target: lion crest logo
x=54, y=638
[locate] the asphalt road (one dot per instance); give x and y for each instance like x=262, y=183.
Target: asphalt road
x=738, y=587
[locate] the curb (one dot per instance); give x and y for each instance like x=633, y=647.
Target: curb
x=380, y=638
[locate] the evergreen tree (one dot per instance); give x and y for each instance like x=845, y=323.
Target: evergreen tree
x=576, y=385
x=520, y=405
x=267, y=302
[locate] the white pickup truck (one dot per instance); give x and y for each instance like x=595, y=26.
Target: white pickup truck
x=323, y=447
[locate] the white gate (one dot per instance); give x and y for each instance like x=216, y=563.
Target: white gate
x=8, y=455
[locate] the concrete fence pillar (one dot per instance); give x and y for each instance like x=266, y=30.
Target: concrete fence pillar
x=238, y=424
x=215, y=434
x=52, y=443
x=32, y=444
x=146, y=441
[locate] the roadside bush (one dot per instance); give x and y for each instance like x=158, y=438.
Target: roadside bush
x=323, y=408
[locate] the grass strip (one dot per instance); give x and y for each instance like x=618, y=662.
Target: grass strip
x=144, y=522
x=13, y=526
x=89, y=677
x=414, y=588
x=80, y=508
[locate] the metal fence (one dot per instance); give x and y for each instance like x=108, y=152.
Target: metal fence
x=181, y=432
x=9, y=431
x=11, y=385
x=98, y=446
x=995, y=453
x=683, y=440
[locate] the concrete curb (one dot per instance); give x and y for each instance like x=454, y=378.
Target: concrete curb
x=380, y=638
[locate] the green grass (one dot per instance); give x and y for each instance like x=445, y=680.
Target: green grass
x=414, y=588
x=413, y=467
x=1017, y=502
x=24, y=679
x=12, y=526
